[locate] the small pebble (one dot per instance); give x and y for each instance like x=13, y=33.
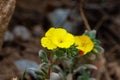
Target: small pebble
x=22, y=32
x=8, y=36
x=38, y=31
x=58, y=17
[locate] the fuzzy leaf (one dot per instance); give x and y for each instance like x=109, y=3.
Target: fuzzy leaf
x=23, y=76
x=91, y=34
x=99, y=49
x=85, y=75
x=59, y=53
x=43, y=56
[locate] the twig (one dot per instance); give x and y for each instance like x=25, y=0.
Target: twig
x=83, y=16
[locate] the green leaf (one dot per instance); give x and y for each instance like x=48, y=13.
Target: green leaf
x=85, y=68
x=91, y=34
x=98, y=49
x=60, y=71
x=43, y=56
x=23, y=76
x=96, y=42
x=85, y=75
x=59, y=53
x=39, y=73
x=43, y=69
x=88, y=55
x=72, y=51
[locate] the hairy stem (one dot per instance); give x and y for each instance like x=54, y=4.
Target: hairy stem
x=51, y=63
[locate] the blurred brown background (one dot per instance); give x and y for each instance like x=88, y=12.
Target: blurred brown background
x=32, y=18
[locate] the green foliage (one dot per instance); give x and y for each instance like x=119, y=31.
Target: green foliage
x=23, y=76
x=91, y=34
x=59, y=53
x=72, y=51
x=85, y=71
x=43, y=56
x=66, y=53
x=85, y=75
x=42, y=72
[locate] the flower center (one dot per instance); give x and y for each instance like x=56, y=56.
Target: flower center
x=60, y=41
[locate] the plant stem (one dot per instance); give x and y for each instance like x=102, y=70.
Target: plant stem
x=83, y=16
x=51, y=63
x=49, y=71
x=71, y=68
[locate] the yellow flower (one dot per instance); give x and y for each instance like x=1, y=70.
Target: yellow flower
x=57, y=37
x=50, y=32
x=47, y=43
x=63, y=40
x=84, y=44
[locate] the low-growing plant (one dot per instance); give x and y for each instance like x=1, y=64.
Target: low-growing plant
x=62, y=52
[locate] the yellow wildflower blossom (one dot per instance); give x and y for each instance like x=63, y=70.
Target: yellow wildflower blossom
x=84, y=44
x=57, y=37
x=63, y=40
x=50, y=32
x=47, y=43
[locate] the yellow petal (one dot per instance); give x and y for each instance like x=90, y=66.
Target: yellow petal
x=45, y=42
x=84, y=43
